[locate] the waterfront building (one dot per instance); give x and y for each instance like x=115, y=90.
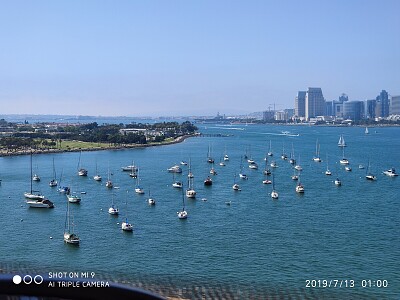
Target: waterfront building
x=370, y=109
x=300, y=104
x=268, y=115
x=383, y=103
x=394, y=105
x=329, y=108
x=353, y=110
x=315, y=103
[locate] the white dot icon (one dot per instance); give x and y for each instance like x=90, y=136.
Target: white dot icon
x=17, y=279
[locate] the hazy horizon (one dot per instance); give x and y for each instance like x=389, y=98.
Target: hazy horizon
x=179, y=58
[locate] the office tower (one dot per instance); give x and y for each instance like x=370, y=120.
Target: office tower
x=383, y=103
x=300, y=104
x=315, y=103
x=353, y=110
x=371, y=107
x=394, y=105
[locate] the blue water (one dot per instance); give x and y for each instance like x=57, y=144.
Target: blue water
x=349, y=232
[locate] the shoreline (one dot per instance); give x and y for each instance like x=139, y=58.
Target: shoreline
x=179, y=139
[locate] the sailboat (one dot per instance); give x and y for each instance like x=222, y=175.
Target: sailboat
x=266, y=170
x=133, y=170
x=175, y=183
x=190, y=192
x=316, y=158
x=292, y=160
x=151, y=200
x=81, y=171
x=213, y=171
x=125, y=225
x=209, y=157
x=369, y=175
x=283, y=156
x=70, y=237
x=270, y=149
x=97, y=177
x=341, y=142
x=109, y=183
x=182, y=214
x=63, y=189
x=190, y=174
x=366, y=130
x=208, y=181
x=298, y=167
x=34, y=198
x=235, y=185
x=138, y=188
x=274, y=193
x=299, y=187
x=226, y=157
x=295, y=175
x=221, y=162
x=327, y=172
x=242, y=175
x=53, y=182
x=344, y=161
x=113, y=210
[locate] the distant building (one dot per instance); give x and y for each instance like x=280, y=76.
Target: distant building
x=300, y=104
x=289, y=112
x=383, y=103
x=281, y=115
x=394, y=105
x=338, y=109
x=315, y=103
x=370, y=109
x=329, y=108
x=343, y=98
x=268, y=115
x=353, y=110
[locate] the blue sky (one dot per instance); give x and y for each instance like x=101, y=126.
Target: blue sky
x=170, y=57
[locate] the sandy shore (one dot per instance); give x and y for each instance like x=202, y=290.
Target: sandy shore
x=5, y=152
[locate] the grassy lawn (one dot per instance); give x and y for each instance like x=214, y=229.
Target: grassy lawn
x=67, y=144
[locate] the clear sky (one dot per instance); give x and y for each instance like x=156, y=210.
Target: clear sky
x=187, y=57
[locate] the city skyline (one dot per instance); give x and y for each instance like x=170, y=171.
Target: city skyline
x=186, y=58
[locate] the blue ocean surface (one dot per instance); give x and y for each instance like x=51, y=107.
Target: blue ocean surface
x=256, y=243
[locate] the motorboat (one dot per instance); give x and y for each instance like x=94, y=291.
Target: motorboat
x=175, y=169
x=391, y=172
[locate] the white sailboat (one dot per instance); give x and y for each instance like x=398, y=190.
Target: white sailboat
x=283, y=155
x=35, y=198
x=300, y=187
x=175, y=183
x=109, y=183
x=270, y=149
x=81, y=171
x=298, y=167
x=190, y=192
x=274, y=193
x=97, y=177
x=53, y=182
x=70, y=237
x=113, y=209
x=292, y=160
x=209, y=157
x=125, y=225
x=235, y=185
x=138, y=188
x=151, y=200
x=63, y=189
x=369, y=175
x=266, y=170
x=341, y=142
x=242, y=175
x=344, y=161
x=182, y=214
x=366, y=130
x=317, y=158
x=327, y=172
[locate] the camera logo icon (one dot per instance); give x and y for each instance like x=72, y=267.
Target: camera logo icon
x=28, y=279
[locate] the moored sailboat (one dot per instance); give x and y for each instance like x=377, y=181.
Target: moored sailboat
x=70, y=237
